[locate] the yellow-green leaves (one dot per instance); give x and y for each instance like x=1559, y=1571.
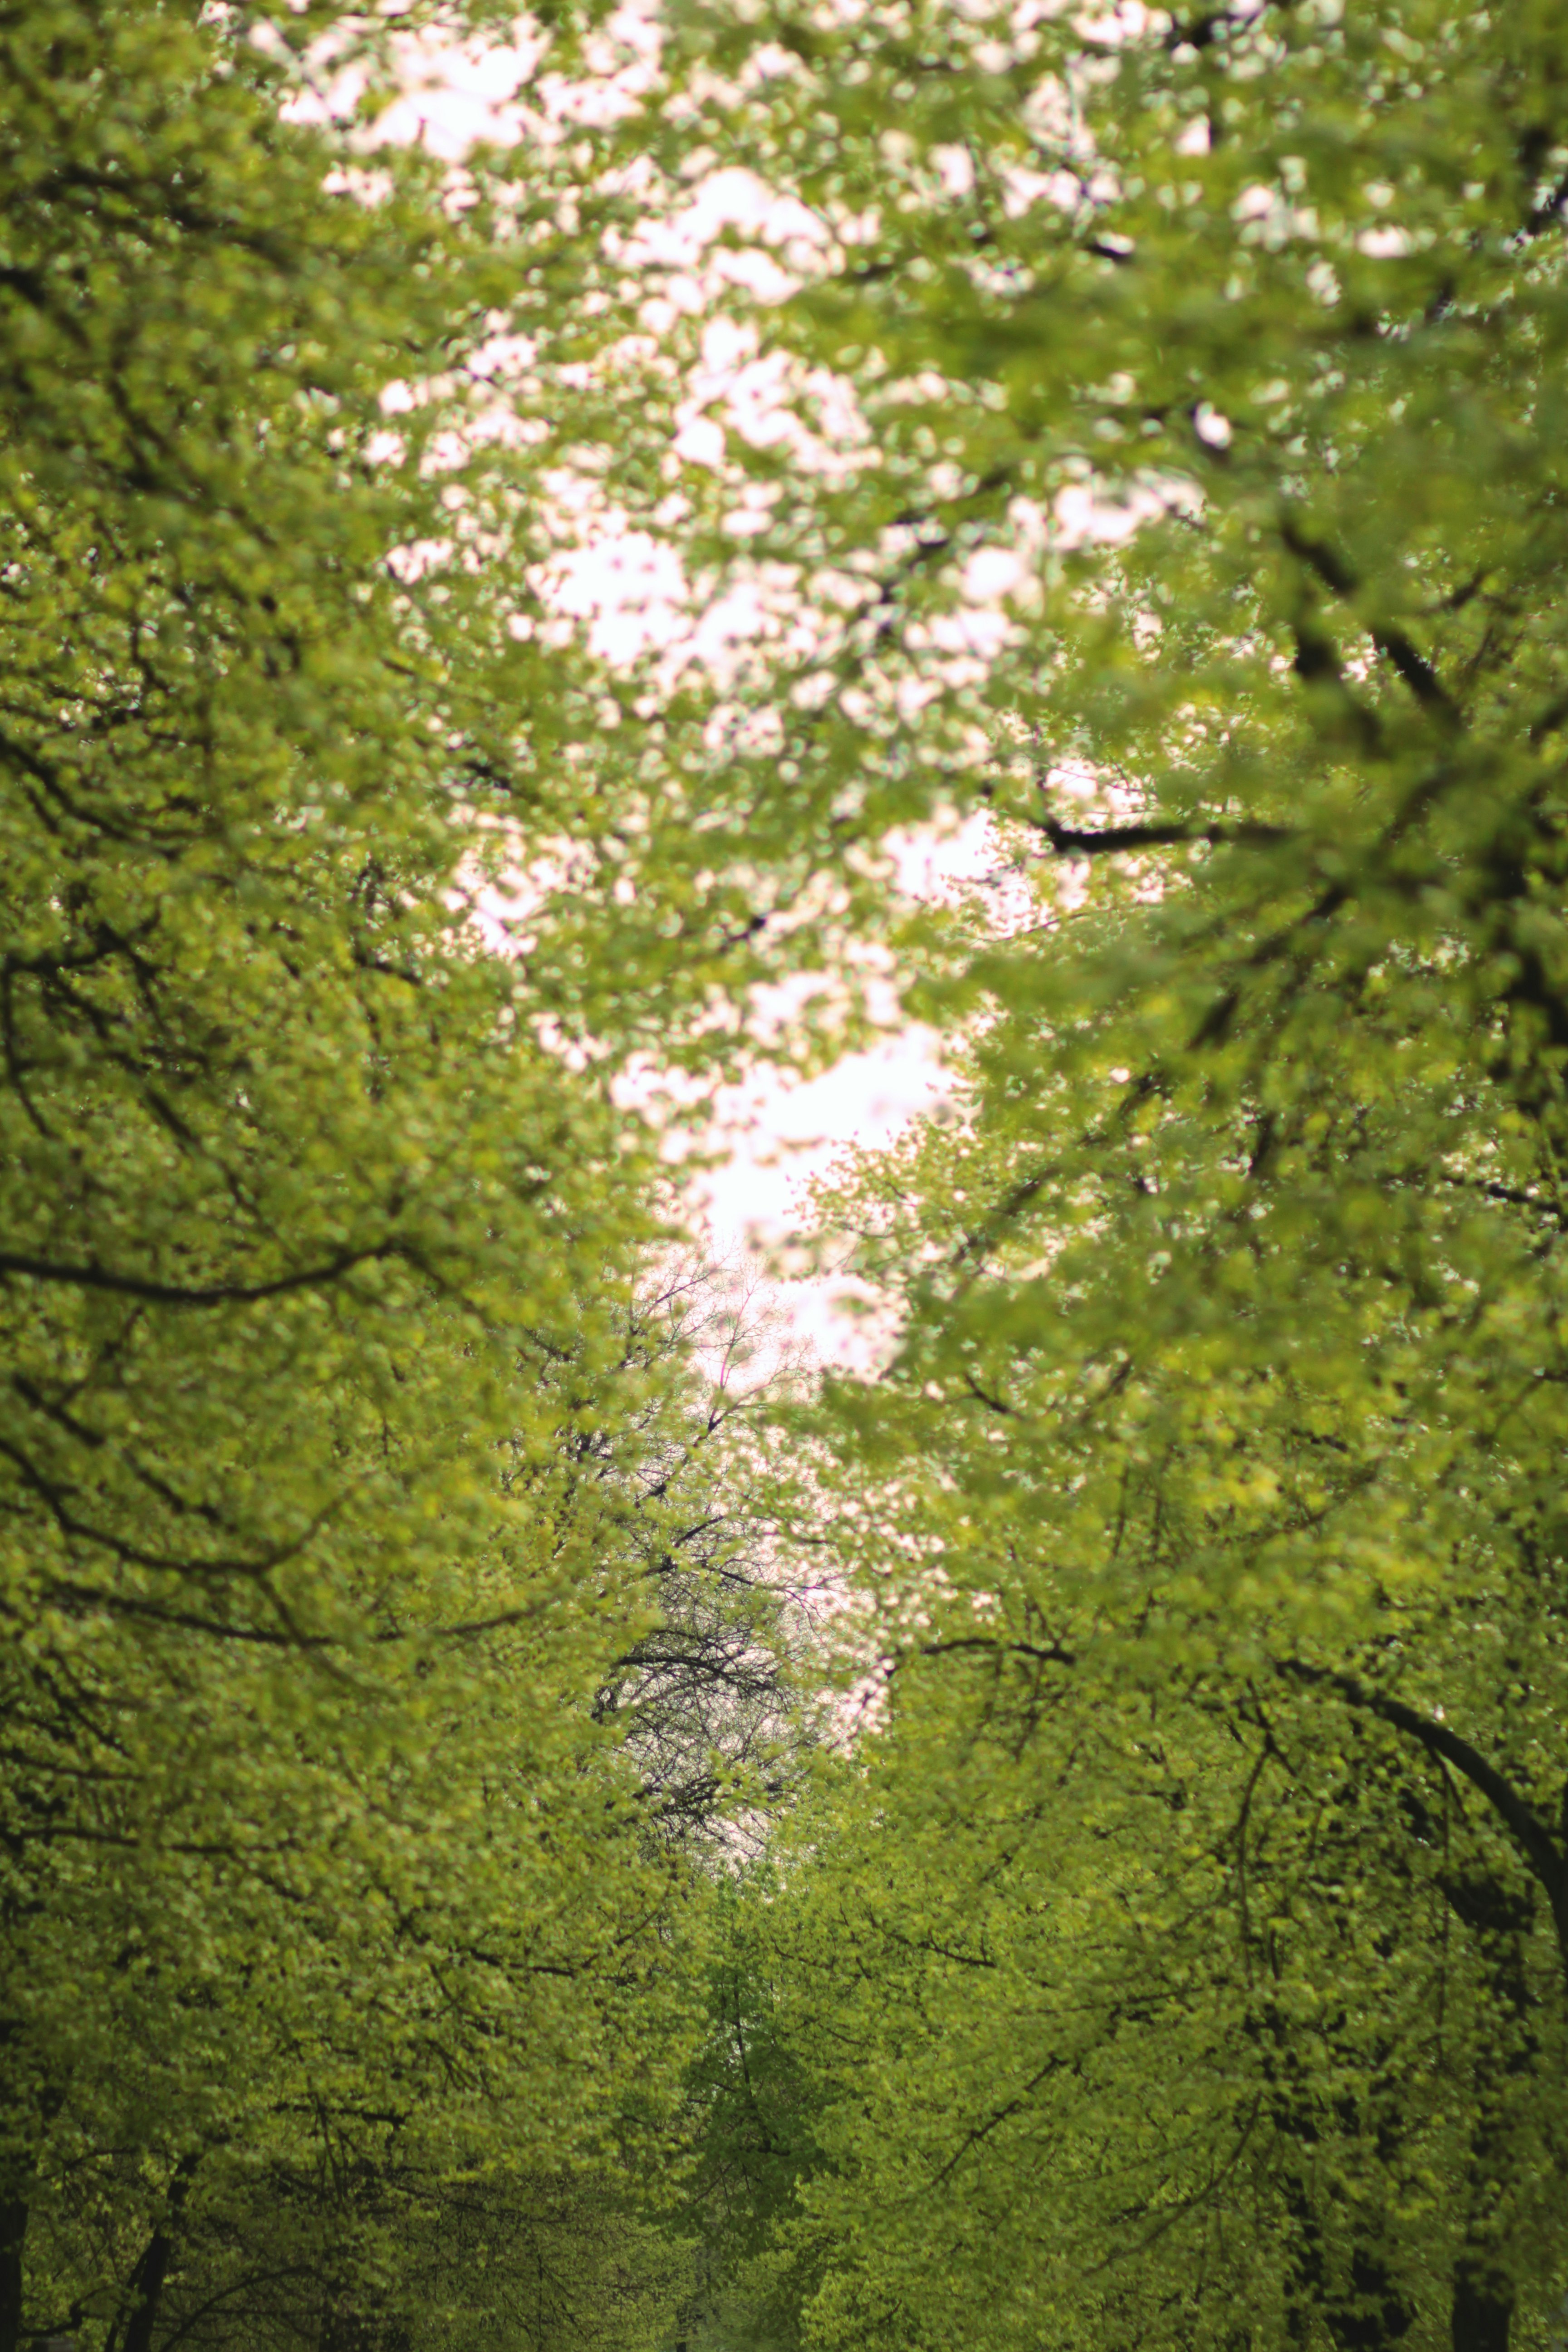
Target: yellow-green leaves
x=1182, y=1957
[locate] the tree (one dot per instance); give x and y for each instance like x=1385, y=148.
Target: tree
x=718, y=1694
x=753, y=2112
x=323, y=1892
x=1187, y=1956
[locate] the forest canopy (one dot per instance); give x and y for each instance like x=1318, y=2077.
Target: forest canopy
x=529, y=1814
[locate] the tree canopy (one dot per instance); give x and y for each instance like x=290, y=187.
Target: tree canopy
x=343, y=1437
x=1181, y=1954
x=1144, y=431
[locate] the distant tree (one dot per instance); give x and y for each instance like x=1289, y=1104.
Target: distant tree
x=718, y=1696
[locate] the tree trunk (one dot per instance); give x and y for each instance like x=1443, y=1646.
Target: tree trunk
x=147, y=2286
x=1375, y=2314
x=147, y=2281
x=1482, y=2311
x=12, y=2232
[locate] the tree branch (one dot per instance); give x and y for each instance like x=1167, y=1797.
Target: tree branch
x=1067, y=841
x=1393, y=643
x=167, y=1294
x=1545, y=215
x=1043, y=1652
x=1202, y=32
x=1529, y=1832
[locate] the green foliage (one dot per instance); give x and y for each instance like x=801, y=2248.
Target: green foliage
x=1183, y=1961
x=752, y=2111
x=337, y=1991
x=1178, y=1955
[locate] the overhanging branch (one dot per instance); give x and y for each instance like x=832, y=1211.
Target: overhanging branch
x=1392, y=643
x=1529, y=1832
x=171, y=1294
x=1070, y=841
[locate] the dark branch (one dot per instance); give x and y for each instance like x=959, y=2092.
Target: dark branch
x=1392, y=643
x=1418, y=673
x=1002, y=2115
x=168, y=1294
x=1530, y=1832
x=1548, y=214
x=1067, y=841
x=1202, y=32
x=1049, y=1653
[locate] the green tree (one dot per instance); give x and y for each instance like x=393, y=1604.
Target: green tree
x=753, y=2109
x=1187, y=1955
x=323, y=1891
